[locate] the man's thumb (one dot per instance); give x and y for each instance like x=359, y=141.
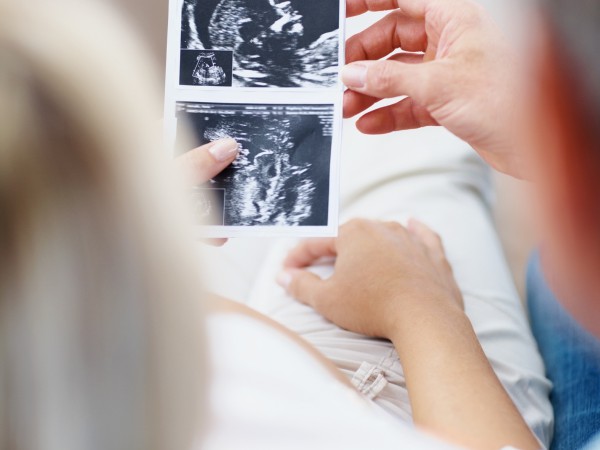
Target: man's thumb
x=388, y=78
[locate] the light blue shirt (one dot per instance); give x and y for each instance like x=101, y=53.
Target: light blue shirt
x=594, y=444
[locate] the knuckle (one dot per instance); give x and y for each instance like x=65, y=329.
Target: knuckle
x=397, y=227
x=355, y=224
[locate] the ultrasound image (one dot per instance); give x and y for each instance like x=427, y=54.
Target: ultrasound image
x=205, y=68
x=208, y=205
x=275, y=43
x=281, y=177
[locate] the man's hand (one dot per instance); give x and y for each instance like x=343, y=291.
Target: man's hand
x=455, y=69
x=386, y=277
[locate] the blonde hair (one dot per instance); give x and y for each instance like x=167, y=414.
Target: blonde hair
x=100, y=342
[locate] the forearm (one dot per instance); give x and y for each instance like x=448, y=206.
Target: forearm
x=454, y=391
x=224, y=306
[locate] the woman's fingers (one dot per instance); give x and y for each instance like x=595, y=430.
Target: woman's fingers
x=404, y=115
x=207, y=161
x=395, y=31
x=308, y=252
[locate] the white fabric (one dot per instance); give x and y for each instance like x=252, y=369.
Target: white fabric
x=434, y=177
x=267, y=393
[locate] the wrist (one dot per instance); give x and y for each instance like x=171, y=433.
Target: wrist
x=424, y=317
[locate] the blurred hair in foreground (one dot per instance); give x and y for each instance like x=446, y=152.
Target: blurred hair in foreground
x=99, y=307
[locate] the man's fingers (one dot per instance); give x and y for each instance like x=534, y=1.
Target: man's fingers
x=404, y=115
x=407, y=58
x=304, y=286
x=310, y=251
x=356, y=7
x=415, y=8
x=394, y=31
x=389, y=78
x=355, y=102
x=207, y=161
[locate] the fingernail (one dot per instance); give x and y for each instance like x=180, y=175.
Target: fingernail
x=224, y=149
x=354, y=75
x=284, y=279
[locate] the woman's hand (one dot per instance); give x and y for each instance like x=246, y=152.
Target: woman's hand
x=384, y=275
x=205, y=162
x=395, y=283
x=456, y=70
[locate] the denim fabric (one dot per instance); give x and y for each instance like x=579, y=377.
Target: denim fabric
x=572, y=358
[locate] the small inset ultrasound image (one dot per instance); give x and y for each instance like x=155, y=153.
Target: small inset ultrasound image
x=208, y=206
x=206, y=68
x=282, y=174
x=275, y=43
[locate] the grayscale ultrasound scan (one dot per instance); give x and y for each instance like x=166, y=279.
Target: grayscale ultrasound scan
x=282, y=175
x=260, y=43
